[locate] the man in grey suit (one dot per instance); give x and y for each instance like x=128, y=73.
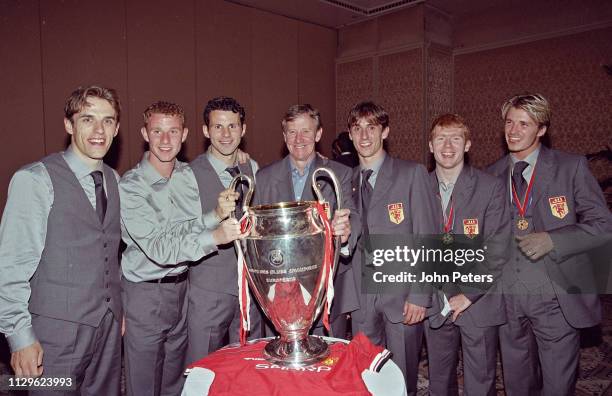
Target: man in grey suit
x=213, y=316
x=558, y=214
x=60, y=306
x=473, y=204
x=163, y=228
x=290, y=180
x=394, y=197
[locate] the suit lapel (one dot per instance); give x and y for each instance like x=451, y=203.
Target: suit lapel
x=544, y=172
x=284, y=182
x=356, y=190
x=384, y=180
x=462, y=192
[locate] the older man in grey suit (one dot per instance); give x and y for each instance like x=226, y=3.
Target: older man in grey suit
x=476, y=216
x=289, y=180
x=558, y=214
x=60, y=306
x=395, y=199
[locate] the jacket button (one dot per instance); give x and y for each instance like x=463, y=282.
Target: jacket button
x=107, y=299
x=105, y=259
x=105, y=244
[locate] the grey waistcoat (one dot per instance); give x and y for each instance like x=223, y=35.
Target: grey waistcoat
x=217, y=271
x=77, y=278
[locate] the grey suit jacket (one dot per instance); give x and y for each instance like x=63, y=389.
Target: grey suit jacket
x=404, y=182
x=480, y=196
x=587, y=224
x=274, y=184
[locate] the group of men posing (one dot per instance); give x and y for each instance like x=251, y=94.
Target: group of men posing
x=67, y=301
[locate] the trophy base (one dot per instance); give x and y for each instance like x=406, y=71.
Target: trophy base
x=297, y=353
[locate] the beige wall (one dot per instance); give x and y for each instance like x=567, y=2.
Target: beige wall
x=187, y=53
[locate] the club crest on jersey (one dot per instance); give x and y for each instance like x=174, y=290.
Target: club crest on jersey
x=330, y=360
x=396, y=212
x=558, y=206
x=470, y=227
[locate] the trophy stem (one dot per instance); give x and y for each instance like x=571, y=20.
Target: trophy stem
x=295, y=351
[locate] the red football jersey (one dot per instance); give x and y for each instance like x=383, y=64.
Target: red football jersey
x=244, y=371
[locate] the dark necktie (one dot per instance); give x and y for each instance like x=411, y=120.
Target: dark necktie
x=234, y=171
x=520, y=185
x=100, y=195
x=366, y=196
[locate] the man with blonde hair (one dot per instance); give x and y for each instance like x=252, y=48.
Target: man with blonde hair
x=558, y=214
x=164, y=229
x=474, y=214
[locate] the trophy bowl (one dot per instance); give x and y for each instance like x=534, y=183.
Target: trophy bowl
x=285, y=265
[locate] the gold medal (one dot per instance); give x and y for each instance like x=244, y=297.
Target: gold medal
x=447, y=238
x=522, y=224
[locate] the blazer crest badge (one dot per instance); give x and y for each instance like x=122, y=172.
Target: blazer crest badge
x=396, y=212
x=558, y=206
x=470, y=227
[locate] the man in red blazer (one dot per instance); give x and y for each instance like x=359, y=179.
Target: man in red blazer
x=558, y=214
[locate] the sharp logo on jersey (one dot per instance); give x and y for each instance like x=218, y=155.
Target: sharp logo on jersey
x=396, y=212
x=470, y=227
x=558, y=206
x=313, y=368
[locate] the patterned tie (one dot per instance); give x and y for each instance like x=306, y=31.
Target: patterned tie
x=234, y=171
x=366, y=196
x=517, y=178
x=98, y=179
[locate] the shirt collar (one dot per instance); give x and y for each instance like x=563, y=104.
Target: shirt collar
x=296, y=171
x=150, y=173
x=531, y=159
x=376, y=165
x=77, y=165
x=218, y=165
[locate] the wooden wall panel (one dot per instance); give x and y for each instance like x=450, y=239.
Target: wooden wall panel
x=82, y=43
x=223, y=61
x=160, y=63
x=22, y=107
x=316, y=82
x=274, y=82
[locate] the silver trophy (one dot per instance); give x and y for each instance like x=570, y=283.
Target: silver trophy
x=284, y=254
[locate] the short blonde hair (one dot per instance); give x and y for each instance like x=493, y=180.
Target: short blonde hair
x=450, y=120
x=535, y=105
x=166, y=108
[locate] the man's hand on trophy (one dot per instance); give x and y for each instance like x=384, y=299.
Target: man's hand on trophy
x=341, y=226
x=226, y=203
x=227, y=231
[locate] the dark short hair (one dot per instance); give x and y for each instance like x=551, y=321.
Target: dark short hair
x=223, y=103
x=162, y=107
x=77, y=100
x=295, y=111
x=369, y=110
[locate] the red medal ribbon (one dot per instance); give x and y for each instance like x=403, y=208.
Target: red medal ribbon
x=328, y=262
x=448, y=226
x=522, y=206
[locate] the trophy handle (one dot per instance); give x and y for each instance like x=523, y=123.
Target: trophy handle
x=335, y=182
x=320, y=198
x=247, y=197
